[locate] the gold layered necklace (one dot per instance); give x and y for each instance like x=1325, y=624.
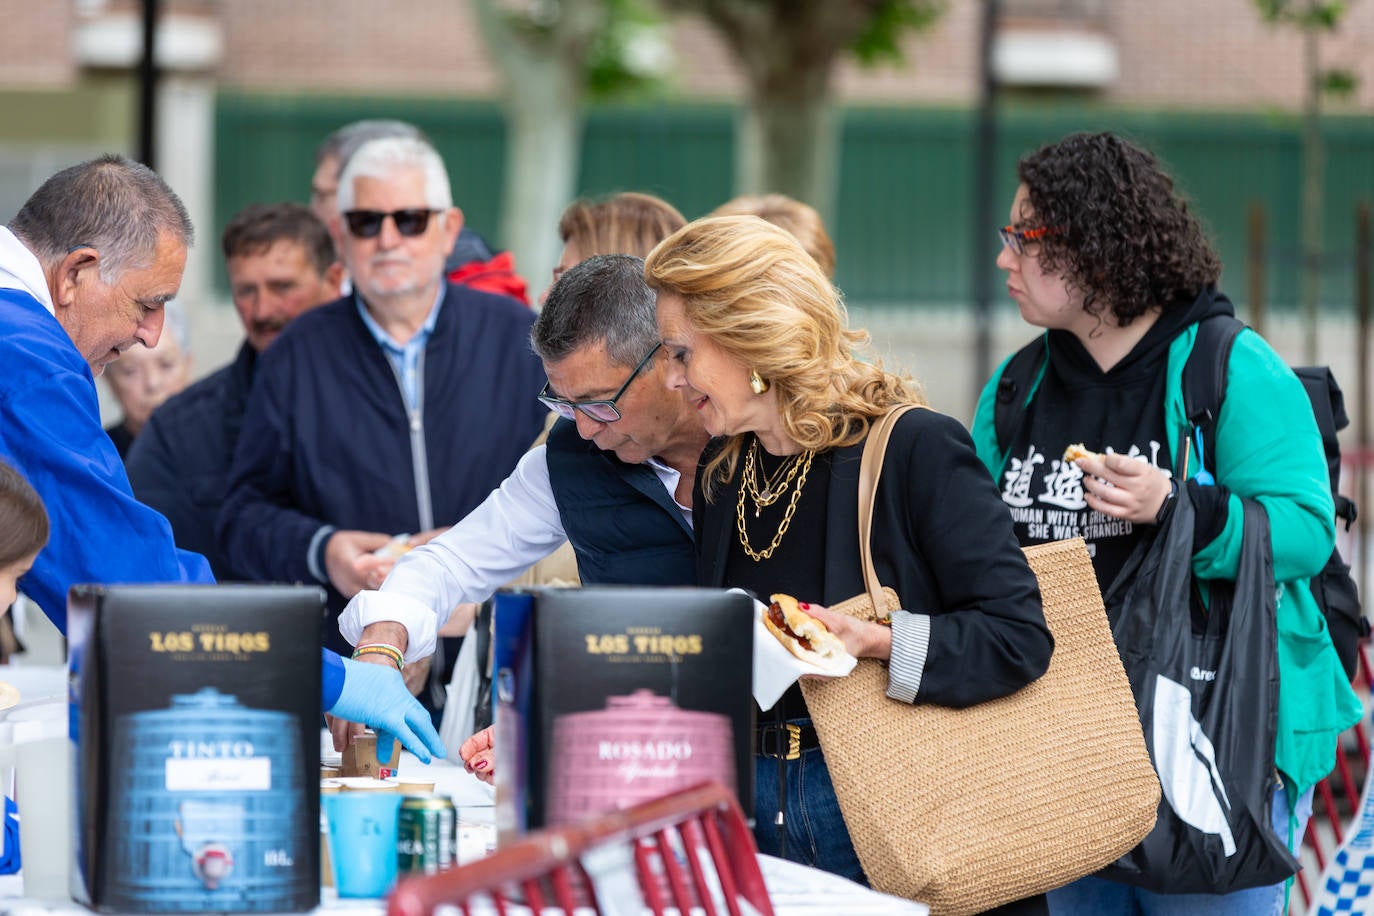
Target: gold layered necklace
x=790, y=475
x=774, y=485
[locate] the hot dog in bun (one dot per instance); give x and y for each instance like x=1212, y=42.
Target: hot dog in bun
x=803, y=635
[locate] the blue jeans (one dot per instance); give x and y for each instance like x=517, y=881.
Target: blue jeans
x=816, y=834
x=1096, y=897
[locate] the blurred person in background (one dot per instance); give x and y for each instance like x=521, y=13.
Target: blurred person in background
x=472, y=262
x=281, y=263
x=798, y=218
x=624, y=223
x=144, y=377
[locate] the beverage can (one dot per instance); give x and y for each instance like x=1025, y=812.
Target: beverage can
x=425, y=834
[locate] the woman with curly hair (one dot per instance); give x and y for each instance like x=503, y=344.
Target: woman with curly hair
x=1104, y=254
x=758, y=343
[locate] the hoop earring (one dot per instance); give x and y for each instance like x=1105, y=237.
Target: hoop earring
x=757, y=383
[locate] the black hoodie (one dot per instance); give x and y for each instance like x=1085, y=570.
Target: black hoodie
x=1118, y=410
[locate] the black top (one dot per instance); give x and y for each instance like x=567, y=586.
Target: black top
x=795, y=568
x=942, y=540
x=121, y=437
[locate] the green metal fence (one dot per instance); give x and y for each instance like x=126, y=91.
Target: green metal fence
x=902, y=220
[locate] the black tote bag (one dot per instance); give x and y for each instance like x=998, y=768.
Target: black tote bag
x=1206, y=684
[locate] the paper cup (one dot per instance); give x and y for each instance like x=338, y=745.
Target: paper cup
x=362, y=841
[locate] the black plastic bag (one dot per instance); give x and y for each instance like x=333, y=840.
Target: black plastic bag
x=1206, y=684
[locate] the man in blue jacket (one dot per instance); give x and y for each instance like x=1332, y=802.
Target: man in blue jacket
x=392, y=411
x=86, y=268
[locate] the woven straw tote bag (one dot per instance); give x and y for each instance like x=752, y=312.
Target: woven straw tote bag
x=967, y=809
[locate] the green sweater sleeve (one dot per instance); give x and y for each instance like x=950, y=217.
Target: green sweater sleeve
x=1268, y=448
x=984, y=430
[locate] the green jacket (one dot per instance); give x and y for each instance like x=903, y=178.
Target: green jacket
x=1268, y=449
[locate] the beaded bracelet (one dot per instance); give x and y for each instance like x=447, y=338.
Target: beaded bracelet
x=391, y=652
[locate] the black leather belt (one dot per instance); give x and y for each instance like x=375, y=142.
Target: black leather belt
x=785, y=742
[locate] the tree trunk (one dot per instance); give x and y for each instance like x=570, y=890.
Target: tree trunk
x=543, y=94
x=788, y=141
x=543, y=145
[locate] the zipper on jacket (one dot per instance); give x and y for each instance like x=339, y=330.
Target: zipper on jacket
x=419, y=457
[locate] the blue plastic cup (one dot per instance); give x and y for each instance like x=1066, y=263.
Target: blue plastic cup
x=362, y=841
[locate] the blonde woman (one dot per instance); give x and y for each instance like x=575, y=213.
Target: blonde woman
x=757, y=341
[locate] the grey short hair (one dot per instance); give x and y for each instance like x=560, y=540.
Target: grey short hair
x=119, y=207
x=602, y=299
x=383, y=158
x=344, y=142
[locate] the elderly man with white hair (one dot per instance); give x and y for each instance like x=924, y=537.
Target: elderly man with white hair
x=392, y=411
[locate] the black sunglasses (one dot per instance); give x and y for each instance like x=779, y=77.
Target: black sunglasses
x=600, y=411
x=366, y=224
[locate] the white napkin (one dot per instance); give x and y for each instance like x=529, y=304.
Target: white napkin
x=776, y=669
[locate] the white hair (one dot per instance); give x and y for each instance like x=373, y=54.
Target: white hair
x=384, y=157
x=174, y=323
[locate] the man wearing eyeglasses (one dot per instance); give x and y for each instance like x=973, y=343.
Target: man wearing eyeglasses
x=615, y=478
x=391, y=411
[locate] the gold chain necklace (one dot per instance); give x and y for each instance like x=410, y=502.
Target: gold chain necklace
x=773, y=487
x=805, y=465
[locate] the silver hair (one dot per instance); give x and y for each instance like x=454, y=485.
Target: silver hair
x=383, y=158
x=119, y=207
x=344, y=142
x=176, y=324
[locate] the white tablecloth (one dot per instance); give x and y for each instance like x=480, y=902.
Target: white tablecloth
x=795, y=890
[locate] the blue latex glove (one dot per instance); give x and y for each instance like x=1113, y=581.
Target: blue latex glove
x=375, y=695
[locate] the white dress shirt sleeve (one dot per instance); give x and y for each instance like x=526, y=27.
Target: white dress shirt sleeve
x=513, y=528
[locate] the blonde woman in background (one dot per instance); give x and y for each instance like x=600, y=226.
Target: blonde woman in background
x=798, y=218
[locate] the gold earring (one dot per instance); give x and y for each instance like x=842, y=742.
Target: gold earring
x=757, y=383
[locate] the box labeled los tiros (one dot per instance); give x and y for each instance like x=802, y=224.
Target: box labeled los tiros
x=197, y=728
x=613, y=695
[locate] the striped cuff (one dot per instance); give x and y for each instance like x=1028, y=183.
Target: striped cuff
x=314, y=554
x=910, y=644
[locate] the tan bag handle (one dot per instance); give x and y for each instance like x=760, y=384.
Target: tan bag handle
x=870, y=468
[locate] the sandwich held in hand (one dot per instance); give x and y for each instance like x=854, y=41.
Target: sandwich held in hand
x=803, y=635
x=1077, y=451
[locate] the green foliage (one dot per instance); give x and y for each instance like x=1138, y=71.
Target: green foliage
x=1315, y=15
x=1324, y=15
x=1339, y=82
x=881, y=40
x=631, y=54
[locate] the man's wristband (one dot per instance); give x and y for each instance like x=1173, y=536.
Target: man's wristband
x=391, y=652
x=1168, y=505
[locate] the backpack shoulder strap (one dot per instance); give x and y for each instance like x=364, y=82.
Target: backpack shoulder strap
x=1204, y=380
x=1020, y=377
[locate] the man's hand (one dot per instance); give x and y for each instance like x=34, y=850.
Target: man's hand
x=378, y=697
x=349, y=561
x=424, y=537
x=479, y=755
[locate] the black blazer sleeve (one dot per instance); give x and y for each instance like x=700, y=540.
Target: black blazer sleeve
x=943, y=540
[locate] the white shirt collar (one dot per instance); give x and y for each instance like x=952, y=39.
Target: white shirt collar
x=19, y=269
